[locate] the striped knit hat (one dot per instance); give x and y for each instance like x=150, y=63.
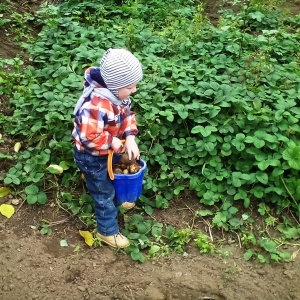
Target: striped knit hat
x=120, y=68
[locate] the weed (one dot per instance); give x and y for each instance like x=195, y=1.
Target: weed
x=224, y=253
x=45, y=227
x=180, y=238
x=204, y=244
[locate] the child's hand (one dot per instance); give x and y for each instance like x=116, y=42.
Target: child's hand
x=116, y=145
x=132, y=147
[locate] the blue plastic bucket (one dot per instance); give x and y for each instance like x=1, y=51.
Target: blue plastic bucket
x=128, y=187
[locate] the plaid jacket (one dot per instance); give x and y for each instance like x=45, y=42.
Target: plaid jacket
x=98, y=121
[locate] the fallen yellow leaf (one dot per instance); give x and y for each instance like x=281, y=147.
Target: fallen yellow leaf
x=4, y=191
x=7, y=210
x=88, y=237
x=17, y=147
x=294, y=254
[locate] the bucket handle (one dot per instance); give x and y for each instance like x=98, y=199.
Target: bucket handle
x=110, y=162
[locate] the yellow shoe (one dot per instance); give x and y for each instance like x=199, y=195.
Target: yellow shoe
x=128, y=205
x=117, y=240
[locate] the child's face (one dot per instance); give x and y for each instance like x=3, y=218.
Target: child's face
x=126, y=91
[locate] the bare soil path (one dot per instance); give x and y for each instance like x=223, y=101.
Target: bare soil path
x=37, y=267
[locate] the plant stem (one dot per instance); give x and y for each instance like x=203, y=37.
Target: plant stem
x=291, y=196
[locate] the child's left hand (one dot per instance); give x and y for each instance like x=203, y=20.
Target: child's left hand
x=117, y=145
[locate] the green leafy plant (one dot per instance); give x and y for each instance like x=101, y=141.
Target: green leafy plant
x=204, y=243
x=217, y=109
x=137, y=230
x=34, y=195
x=180, y=238
x=268, y=252
x=45, y=227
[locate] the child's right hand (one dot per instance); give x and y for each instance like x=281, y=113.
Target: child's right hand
x=117, y=145
x=132, y=147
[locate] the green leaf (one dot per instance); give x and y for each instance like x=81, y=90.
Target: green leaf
x=205, y=131
x=168, y=114
x=292, y=155
x=137, y=256
x=153, y=249
x=268, y=245
x=258, y=143
x=262, y=177
x=156, y=230
x=204, y=212
x=181, y=109
x=144, y=227
x=148, y=209
x=49, y=96
x=290, y=232
x=238, y=142
x=257, y=104
x=249, y=140
x=32, y=199
x=240, y=195
x=134, y=236
x=236, y=179
x=248, y=254
x=157, y=150
x=45, y=231
x=263, y=165
x=232, y=210
x=247, y=202
x=258, y=191
x=41, y=198
x=169, y=231
x=234, y=222
x=262, y=258
x=257, y=15
x=32, y=190
x=64, y=164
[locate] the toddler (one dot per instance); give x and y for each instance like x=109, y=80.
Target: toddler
x=103, y=118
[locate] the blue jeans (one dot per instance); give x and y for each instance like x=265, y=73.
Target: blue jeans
x=101, y=190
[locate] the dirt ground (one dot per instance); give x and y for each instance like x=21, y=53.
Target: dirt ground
x=33, y=266
x=37, y=267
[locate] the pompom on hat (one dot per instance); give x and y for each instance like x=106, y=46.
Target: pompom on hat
x=120, y=68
